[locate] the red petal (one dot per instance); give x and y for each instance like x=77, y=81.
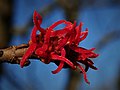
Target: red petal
x=60, y=22
x=72, y=33
x=84, y=73
x=93, y=55
x=79, y=49
x=57, y=57
x=33, y=34
x=92, y=49
x=60, y=33
x=40, y=52
x=63, y=53
x=59, y=68
x=28, y=53
x=62, y=43
x=84, y=35
x=47, y=36
x=46, y=39
x=78, y=32
x=37, y=19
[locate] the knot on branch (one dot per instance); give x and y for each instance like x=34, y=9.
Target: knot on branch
x=1, y=53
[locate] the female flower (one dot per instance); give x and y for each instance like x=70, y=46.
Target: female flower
x=60, y=46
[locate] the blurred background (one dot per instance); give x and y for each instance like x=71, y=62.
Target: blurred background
x=102, y=17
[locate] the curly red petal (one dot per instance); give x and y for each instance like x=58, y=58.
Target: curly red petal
x=37, y=19
x=84, y=35
x=78, y=32
x=61, y=58
x=84, y=73
x=60, y=22
x=61, y=46
x=59, y=68
x=63, y=53
x=63, y=31
x=28, y=53
x=72, y=34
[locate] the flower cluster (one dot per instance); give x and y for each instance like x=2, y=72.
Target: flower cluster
x=60, y=46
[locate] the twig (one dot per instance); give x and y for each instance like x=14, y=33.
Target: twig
x=13, y=54
x=108, y=38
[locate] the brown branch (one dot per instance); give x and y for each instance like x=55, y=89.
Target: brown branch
x=13, y=54
x=107, y=38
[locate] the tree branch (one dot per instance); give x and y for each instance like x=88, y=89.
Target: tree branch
x=13, y=54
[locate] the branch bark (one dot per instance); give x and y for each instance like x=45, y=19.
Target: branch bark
x=13, y=54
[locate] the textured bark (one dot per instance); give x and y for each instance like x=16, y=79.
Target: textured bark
x=14, y=54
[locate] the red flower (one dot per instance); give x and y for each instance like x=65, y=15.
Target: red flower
x=60, y=46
